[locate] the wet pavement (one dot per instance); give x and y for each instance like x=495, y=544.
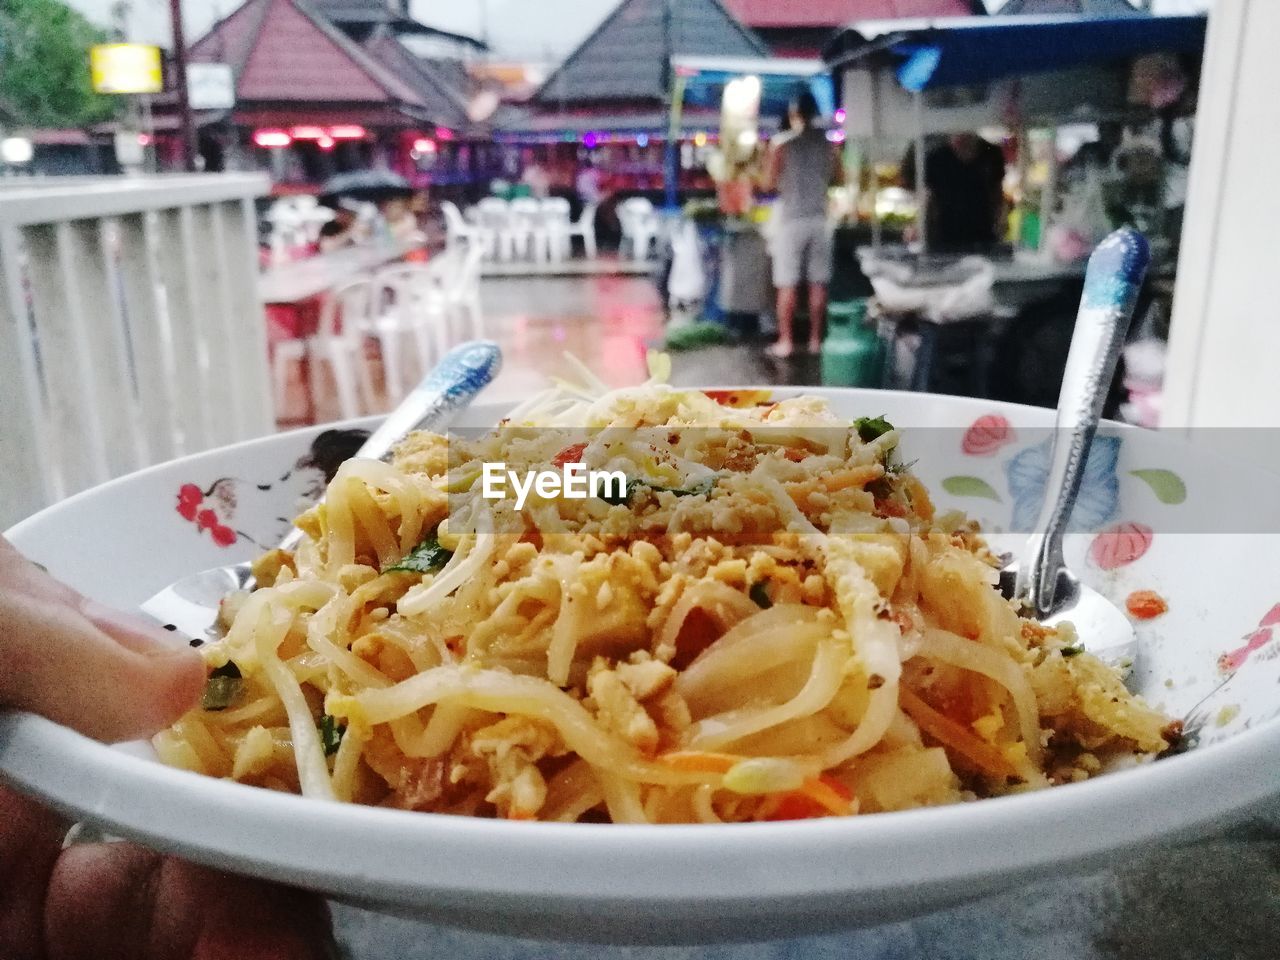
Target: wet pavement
x=607, y=322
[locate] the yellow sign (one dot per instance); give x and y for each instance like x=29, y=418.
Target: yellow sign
x=126, y=68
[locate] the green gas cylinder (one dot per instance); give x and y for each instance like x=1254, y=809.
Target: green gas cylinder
x=852, y=355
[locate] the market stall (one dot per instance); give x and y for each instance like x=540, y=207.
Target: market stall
x=1088, y=119
x=751, y=95
x=904, y=81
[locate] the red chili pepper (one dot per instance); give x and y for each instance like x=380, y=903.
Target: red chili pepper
x=1146, y=604
x=890, y=508
x=570, y=454
x=726, y=397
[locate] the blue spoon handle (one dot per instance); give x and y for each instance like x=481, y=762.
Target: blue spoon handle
x=1111, y=284
x=462, y=373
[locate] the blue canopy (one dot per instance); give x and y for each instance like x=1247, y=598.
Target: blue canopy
x=704, y=80
x=969, y=51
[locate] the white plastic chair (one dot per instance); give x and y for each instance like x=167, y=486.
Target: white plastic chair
x=556, y=225
x=410, y=299
x=458, y=231
x=339, y=341
x=290, y=227
x=313, y=219
x=495, y=215
x=462, y=291
x=639, y=225
x=584, y=227
x=533, y=223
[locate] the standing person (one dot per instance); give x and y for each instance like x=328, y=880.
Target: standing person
x=536, y=177
x=800, y=167
x=341, y=231
x=587, y=183
x=964, y=179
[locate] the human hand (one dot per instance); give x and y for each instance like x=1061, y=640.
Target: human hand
x=114, y=677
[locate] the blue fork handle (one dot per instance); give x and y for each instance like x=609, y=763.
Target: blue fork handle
x=1111, y=284
x=454, y=382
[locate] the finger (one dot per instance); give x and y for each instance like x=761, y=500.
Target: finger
x=22, y=576
x=158, y=908
x=60, y=665
x=30, y=840
x=102, y=672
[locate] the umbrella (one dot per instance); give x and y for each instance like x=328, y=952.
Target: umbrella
x=369, y=185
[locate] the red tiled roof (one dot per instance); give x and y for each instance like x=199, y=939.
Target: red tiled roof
x=230, y=40
x=446, y=105
x=837, y=13
x=281, y=50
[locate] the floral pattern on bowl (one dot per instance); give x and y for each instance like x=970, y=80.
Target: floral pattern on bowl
x=997, y=475
x=215, y=507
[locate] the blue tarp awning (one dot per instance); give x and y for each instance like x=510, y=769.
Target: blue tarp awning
x=705, y=79
x=978, y=50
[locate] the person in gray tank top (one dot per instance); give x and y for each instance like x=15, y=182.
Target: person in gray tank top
x=801, y=165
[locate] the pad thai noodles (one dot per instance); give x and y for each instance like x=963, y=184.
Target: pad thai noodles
x=769, y=621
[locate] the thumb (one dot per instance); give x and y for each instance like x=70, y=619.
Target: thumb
x=102, y=672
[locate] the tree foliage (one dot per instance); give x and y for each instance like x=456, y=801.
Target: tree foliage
x=44, y=65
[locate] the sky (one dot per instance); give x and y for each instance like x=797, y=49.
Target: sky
x=527, y=29
x=541, y=30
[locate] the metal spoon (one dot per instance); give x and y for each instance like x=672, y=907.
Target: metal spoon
x=190, y=605
x=1042, y=583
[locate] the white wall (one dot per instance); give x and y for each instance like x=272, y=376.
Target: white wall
x=877, y=108
x=1224, y=349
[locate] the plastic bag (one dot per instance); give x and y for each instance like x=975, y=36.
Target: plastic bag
x=1083, y=222
x=966, y=292
x=687, y=283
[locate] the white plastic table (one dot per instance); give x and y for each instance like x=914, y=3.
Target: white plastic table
x=295, y=282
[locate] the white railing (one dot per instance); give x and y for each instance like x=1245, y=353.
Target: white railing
x=131, y=330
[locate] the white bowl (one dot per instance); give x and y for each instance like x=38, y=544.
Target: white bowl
x=124, y=540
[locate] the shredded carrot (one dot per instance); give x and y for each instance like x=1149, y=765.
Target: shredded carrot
x=791, y=806
x=918, y=495
x=831, y=794
x=822, y=796
x=857, y=477
x=698, y=761
x=980, y=754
